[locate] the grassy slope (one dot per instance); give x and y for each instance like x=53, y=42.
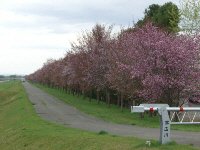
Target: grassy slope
x=21, y=128
x=112, y=114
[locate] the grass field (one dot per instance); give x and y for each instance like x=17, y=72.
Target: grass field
x=112, y=114
x=21, y=129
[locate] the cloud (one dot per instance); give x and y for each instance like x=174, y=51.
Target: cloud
x=33, y=30
x=71, y=12
x=26, y=61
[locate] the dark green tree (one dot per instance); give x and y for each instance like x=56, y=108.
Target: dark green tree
x=2, y=76
x=13, y=76
x=152, y=12
x=166, y=16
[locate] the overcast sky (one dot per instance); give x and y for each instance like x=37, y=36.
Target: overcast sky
x=31, y=31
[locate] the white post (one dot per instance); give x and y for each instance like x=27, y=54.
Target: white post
x=164, y=125
x=164, y=117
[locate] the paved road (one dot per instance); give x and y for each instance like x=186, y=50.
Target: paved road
x=57, y=111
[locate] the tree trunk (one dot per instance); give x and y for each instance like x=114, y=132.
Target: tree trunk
x=134, y=102
x=169, y=97
x=97, y=96
x=141, y=115
x=90, y=95
x=150, y=113
x=106, y=95
x=128, y=104
x=66, y=89
x=63, y=89
x=69, y=91
x=176, y=114
x=118, y=100
x=131, y=104
x=122, y=97
x=83, y=94
x=108, y=104
x=78, y=92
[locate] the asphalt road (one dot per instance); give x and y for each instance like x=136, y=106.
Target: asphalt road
x=57, y=111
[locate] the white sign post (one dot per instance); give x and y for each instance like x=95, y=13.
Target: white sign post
x=165, y=121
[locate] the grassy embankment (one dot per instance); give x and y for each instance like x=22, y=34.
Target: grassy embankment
x=21, y=128
x=112, y=114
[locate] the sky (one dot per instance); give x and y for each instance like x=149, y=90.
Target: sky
x=32, y=31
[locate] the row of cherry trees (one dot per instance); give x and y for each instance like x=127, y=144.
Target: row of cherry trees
x=138, y=65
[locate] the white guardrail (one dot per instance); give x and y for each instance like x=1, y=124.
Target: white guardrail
x=165, y=120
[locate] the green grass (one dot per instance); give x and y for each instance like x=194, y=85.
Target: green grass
x=7, y=93
x=21, y=129
x=112, y=114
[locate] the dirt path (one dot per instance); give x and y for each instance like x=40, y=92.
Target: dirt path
x=57, y=111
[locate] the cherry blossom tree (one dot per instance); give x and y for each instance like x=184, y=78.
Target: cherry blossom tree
x=118, y=76
x=56, y=74
x=143, y=63
x=101, y=44
x=94, y=46
x=48, y=72
x=76, y=66
x=168, y=66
